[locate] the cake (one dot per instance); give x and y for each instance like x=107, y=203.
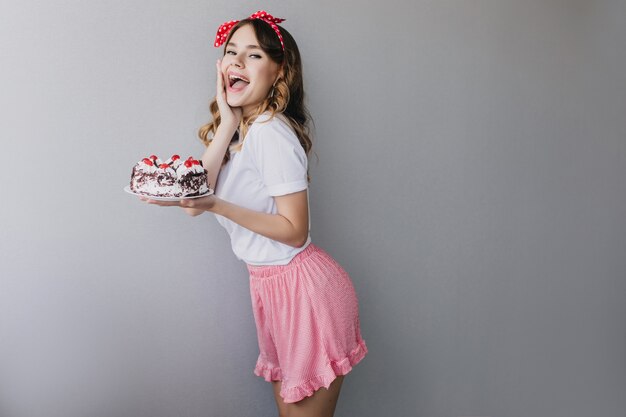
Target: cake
x=172, y=178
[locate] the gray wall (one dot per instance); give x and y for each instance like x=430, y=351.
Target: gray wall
x=472, y=158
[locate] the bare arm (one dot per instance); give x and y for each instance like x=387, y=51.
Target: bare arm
x=289, y=226
x=229, y=121
x=214, y=153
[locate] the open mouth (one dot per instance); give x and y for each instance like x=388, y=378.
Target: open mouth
x=237, y=81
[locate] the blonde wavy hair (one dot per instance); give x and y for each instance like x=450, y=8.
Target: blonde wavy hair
x=286, y=97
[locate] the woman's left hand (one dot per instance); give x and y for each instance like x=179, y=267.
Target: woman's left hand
x=203, y=203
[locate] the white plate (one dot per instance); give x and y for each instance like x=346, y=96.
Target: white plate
x=152, y=197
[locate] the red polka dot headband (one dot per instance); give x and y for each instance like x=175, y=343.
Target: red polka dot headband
x=225, y=28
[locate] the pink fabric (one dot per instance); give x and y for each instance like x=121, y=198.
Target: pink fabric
x=307, y=320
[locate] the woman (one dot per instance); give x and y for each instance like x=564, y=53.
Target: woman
x=304, y=304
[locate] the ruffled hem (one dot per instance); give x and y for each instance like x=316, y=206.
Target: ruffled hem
x=337, y=368
x=269, y=374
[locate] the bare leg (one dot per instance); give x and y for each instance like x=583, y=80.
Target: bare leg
x=283, y=411
x=321, y=404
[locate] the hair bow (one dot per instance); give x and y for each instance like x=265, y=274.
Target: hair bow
x=225, y=28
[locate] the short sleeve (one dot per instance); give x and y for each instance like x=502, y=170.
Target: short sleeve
x=279, y=157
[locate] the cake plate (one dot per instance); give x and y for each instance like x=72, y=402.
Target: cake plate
x=152, y=197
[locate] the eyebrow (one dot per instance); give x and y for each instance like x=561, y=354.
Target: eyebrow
x=248, y=46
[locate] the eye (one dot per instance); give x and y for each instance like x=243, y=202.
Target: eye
x=230, y=52
x=255, y=56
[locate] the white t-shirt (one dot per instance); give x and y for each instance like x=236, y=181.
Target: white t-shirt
x=270, y=163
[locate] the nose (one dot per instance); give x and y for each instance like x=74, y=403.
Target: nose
x=236, y=62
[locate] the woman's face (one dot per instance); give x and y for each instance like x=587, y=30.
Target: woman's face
x=248, y=72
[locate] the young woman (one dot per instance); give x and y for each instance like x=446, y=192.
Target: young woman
x=304, y=304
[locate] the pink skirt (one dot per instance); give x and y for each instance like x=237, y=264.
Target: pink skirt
x=307, y=320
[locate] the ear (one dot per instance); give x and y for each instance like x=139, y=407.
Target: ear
x=278, y=77
x=281, y=74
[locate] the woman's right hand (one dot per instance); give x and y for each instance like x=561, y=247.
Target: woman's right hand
x=230, y=116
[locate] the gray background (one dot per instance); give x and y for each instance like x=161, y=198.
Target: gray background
x=471, y=178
